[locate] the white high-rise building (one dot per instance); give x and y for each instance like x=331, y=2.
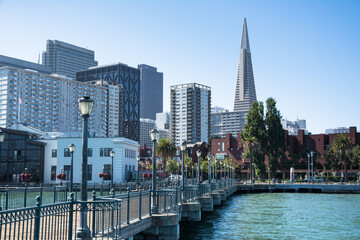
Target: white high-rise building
x=163, y=120
x=293, y=126
x=190, y=108
x=50, y=102
x=146, y=125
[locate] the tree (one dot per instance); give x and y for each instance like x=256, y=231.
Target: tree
x=333, y=160
x=340, y=144
x=254, y=137
x=165, y=147
x=355, y=157
x=275, y=135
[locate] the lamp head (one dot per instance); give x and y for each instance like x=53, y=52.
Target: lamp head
x=112, y=153
x=85, y=105
x=154, y=134
x=72, y=148
x=183, y=146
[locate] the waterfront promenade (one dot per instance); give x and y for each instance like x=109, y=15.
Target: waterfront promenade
x=139, y=213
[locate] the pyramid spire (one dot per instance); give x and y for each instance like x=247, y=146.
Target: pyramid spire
x=245, y=37
x=245, y=93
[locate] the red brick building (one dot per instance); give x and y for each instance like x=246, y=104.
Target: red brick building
x=295, y=144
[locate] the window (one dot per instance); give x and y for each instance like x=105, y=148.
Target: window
x=54, y=153
x=53, y=172
x=67, y=171
x=107, y=169
x=89, y=169
x=66, y=152
x=105, y=152
x=90, y=150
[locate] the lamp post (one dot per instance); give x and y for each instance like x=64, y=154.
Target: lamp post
x=209, y=163
x=2, y=137
x=215, y=170
x=178, y=174
x=308, y=155
x=154, y=135
x=112, y=155
x=269, y=174
x=312, y=167
x=221, y=170
x=72, y=150
x=85, y=105
x=183, y=148
x=198, y=153
x=138, y=160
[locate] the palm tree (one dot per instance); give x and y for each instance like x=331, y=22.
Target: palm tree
x=165, y=147
x=342, y=143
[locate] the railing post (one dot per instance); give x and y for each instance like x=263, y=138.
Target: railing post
x=37, y=218
x=55, y=194
x=71, y=215
x=41, y=191
x=101, y=188
x=150, y=200
x=140, y=204
x=94, y=212
x=128, y=206
x=176, y=197
x=7, y=198
x=25, y=195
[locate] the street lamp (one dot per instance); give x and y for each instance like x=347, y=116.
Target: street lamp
x=154, y=135
x=2, y=137
x=85, y=105
x=138, y=160
x=198, y=153
x=72, y=150
x=178, y=173
x=112, y=155
x=215, y=169
x=209, y=163
x=221, y=163
x=183, y=148
x=308, y=155
x=312, y=167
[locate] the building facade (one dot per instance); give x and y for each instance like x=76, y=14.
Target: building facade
x=293, y=126
x=146, y=125
x=190, y=106
x=67, y=59
x=223, y=123
x=163, y=120
x=21, y=64
x=151, y=91
x=50, y=102
x=337, y=130
x=21, y=152
x=129, y=79
x=58, y=158
x=245, y=93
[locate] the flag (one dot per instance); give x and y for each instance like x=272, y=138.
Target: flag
x=20, y=100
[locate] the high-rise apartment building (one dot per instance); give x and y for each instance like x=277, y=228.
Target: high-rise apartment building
x=163, y=120
x=190, y=106
x=22, y=64
x=67, y=59
x=50, y=102
x=227, y=122
x=146, y=125
x=129, y=79
x=245, y=93
x=151, y=91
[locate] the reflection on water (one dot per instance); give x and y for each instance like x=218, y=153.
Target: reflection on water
x=280, y=216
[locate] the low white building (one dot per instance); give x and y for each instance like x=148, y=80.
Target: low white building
x=57, y=157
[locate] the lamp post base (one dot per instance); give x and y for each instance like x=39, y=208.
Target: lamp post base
x=83, y=233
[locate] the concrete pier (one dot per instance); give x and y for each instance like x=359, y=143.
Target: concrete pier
x=206, y=203
x=191, y=211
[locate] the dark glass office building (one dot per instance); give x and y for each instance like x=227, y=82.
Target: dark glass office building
x=129, y=78
x=18, y=151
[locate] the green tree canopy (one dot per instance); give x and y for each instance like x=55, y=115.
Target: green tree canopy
x=275, y=134
x=340, y=144
x=165, y=148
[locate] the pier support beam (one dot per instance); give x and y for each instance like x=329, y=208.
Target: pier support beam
x=165, y=226
x=191, y=211
x=207, y=203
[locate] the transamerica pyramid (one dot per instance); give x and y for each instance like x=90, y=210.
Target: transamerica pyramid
x=245, y=93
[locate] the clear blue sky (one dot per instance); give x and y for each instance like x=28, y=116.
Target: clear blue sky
x=306, y=54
